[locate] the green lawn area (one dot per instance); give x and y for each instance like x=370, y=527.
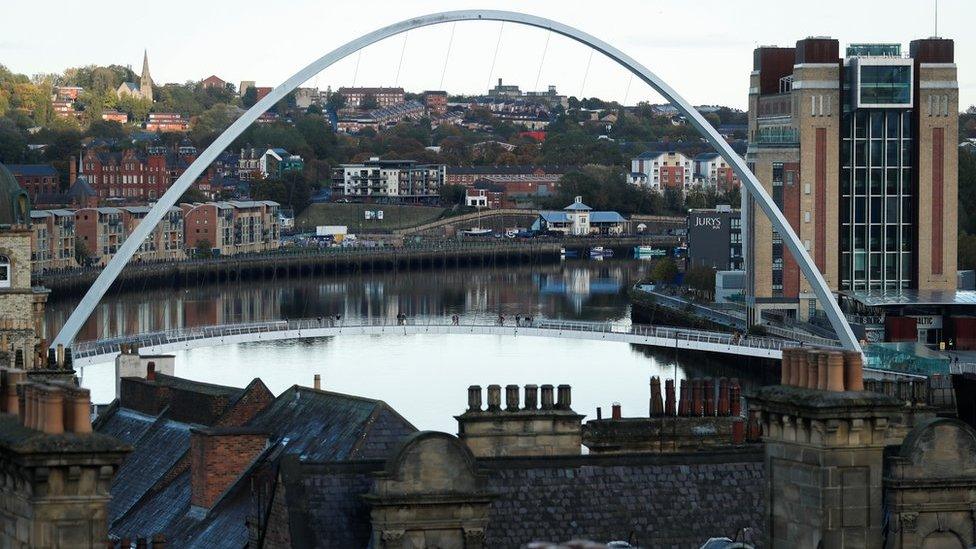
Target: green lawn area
x=352, y=216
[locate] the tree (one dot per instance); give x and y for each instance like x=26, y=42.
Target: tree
x=13, y=144
x=452, y=195
x=214, y=120
x=82, y=255
x=336, y=102
x=702, y=280
x=192, y=195
x=250, y=97
x=368, y=103
x=664, y=271
x=203, y=248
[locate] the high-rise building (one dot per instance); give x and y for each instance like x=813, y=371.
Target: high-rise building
x=859, y=153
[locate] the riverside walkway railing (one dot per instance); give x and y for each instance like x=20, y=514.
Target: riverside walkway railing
x=315, y=327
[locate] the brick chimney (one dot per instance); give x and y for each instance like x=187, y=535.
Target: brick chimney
x=218, y=457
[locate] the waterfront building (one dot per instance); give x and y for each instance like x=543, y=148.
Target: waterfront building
x=232, y=227
x=578, y=219
x=485, y=194
x=52, y=239
x=384, y=97
x=715, y=238
x=166, y=240
x=713, y=172
x=399, y=180
x=36, y=179
x=142, y=89
x=859, y=153
x=660, y=170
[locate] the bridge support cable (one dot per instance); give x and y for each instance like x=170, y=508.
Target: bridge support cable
x=752, y=184
x=447, y=55
x=494, y=57
x=542, y=60
x=585, y=74
x=403, y=49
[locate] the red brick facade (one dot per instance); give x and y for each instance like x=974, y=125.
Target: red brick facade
x=217, y=459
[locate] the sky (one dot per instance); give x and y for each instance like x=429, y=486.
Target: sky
x=702, y=48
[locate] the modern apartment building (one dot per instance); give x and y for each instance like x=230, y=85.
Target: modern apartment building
x=166, y=240
x=661, y=170
x=400, y=180
x=860, y=155
x=232, y=227
x=52, y=239
x=713, y=172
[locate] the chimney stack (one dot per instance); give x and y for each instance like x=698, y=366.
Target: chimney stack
x=615, y=411
x=709, y=388
x=316, y=380
x=531, y=397
x=151, y=373
x=511, y=398
x=494, y=398
x=72, y=171
x=474, y=398
x=853, y=371
x=723, y=397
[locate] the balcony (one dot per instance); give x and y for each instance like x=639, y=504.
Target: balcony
x=777, y=136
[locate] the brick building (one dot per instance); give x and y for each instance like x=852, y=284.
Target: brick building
x=52, y=239
x=713, y=172
x=660, y=170
x=213, y=81
x=166, y=122
x=112, y=115
x=36, y=179
x=232, y=227
x=136, y=176
x=860, y=154
x=435, y=102
x=385, y=97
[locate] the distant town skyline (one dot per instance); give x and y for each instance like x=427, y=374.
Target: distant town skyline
x=703, y=58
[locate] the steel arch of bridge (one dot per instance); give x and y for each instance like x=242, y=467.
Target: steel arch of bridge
x=108, y=275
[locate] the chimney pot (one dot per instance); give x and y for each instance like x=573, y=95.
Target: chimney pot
x=53, y=400
x=615, y=410
x=494, y=398
x=52, y=358
x=723, y=397
x=511, y=398
x=708, y=387
x=813, y=371
x=735, y=398
x=669, y=403
x=784, y=368
x=696, y=397
x=684, y=406
x=60, y=355
x=657, y=406
x=738, y=431
x=599, y=413
x=835, y=371
x=151, y=371
x=547, y=401
x=531, y=397
x=474, y=398
x=853, y=371
x=565, y=400
x=316, y=382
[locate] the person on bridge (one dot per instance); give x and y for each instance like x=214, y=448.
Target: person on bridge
x=455, y=320
x=518, y=320
x=501, y=319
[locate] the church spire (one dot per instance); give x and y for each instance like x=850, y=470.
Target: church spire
x=146, y=83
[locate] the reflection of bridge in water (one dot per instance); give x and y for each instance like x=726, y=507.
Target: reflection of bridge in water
x=92, y=352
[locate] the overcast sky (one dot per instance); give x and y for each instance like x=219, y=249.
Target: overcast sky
x=703, y=48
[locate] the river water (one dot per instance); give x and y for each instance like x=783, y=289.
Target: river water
x=424, y=377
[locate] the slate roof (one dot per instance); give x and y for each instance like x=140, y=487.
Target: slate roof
x=578, y=206
x=302, y=422
x=595, y=217
x=33, y=170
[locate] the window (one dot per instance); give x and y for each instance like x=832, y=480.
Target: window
x=5, y=275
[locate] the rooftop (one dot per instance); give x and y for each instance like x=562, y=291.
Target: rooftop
x=882, y=298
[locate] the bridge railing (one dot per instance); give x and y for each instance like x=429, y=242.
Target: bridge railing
x=114, y=345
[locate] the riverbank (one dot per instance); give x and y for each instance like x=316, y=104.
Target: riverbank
x=302, y=262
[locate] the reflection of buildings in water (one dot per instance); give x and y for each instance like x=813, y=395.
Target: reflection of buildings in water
x=553, y=291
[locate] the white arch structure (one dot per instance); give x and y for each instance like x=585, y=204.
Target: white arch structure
x=169, y=198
